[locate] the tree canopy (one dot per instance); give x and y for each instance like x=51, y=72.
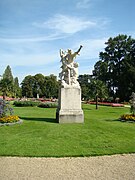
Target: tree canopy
x=8, y=74
x=92, y=88
x=116, y=66
x=44, y=86
x=7, y=82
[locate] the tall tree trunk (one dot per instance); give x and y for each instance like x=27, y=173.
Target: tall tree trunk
x=96, y=102
x=4, y=96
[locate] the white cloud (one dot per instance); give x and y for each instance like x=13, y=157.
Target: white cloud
x=57, y=27
x=66, y=24
x=83, y=4
x=51, y=37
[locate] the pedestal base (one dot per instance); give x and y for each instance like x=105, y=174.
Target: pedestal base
x=69, y=108
x=70, y=117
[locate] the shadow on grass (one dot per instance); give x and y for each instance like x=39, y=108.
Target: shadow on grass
x=49, y=120
x=119, y=120
x=113, y=120
x=84, y=108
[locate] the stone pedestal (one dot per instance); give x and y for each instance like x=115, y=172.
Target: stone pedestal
x=69, y=107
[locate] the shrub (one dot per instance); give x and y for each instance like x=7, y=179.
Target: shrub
x=25, y=103
x=48, y=105
x=6, y=113
x=5, y=108
x=132, y=103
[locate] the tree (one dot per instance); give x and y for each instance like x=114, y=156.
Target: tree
x=7, y=76
x=8, y=85
x=5, y=87
x=98, y=90
x=39, y=87
x=116, y=67
x=84, y=81
x=17, y=89
x=27, y=86
x=44, y=86
x=52, y=86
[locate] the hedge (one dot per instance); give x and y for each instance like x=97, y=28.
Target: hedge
x=25, y=103
x=48, y=105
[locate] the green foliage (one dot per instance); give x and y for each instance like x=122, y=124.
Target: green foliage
x=92, y=88
x=6, y=113
x=98, y=90
x=40, y=136
x=5, y=108
x=84, y=81
x=8, y=78
x=6, y=87
x=27, y=86
x=116, y=67
x=52, y=86
x=8, y=74
x=46, y=86
x=25, y=103
x=39, y=85
x=16, y=88
x=48, y=105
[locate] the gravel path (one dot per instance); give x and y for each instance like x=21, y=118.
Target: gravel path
x=116, y=167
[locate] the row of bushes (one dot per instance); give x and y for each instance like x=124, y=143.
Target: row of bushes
x=48, y=105
x=25, y=103
x=35, y=103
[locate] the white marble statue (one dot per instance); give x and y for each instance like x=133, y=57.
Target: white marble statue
x=69, y=73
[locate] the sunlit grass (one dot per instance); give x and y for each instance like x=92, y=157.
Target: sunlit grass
x=41, y=136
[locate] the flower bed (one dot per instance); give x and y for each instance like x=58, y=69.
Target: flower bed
x=9, y=119
x=13, y=123
x=117, y=105
x=108, y=104
x=128, y=117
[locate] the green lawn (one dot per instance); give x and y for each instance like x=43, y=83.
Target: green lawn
x=40, y=135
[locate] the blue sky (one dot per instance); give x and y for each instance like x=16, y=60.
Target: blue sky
x=33, y=31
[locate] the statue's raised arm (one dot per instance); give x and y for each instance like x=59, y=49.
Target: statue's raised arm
x=79, y=49
x=77, y=52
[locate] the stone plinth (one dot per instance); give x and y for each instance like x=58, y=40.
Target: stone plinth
x=69, y=108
